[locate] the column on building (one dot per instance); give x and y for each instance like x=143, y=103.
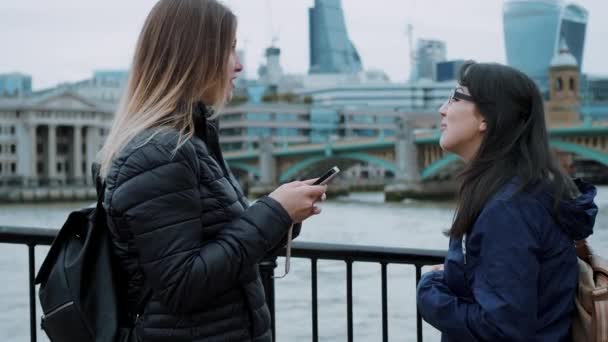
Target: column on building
x=268, y=168
x=76, y=163
x=26, y=152
x=92, y=142
x=51, y=153
x=406, y=153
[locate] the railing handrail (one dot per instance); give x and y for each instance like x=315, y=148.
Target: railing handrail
x=310, y=250
x=365, y=253
x=325, y=251
x=27, y=235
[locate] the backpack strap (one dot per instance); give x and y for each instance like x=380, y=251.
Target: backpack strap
x=100, y=186
x=583, y=250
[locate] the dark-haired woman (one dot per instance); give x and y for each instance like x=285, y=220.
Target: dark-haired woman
x=511, y=270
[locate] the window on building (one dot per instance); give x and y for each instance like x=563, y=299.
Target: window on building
x=13, y=149
x=0, y=149
x=572, y=84
x=39, y=148
x=0, y=168
x=12, y=130
x=84, y=168
x=67, y=166
x=13, y=168
x=62, y=148
x=84, y=148
x=59, y=166
x=39, y=168
x=559, y=84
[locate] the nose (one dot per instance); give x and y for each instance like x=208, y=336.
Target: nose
x=238, y=67
x=443, y=109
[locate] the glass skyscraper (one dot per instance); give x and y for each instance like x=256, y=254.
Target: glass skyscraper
x=533, y=29
x=331, y=51
x=428, y=54
x=15, y=84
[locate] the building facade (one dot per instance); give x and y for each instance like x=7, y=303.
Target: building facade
x=418, y=96
x=106, y=86
x=331, y=50
x=53, y=141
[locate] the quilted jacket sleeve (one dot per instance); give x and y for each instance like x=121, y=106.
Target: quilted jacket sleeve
x=155, y=195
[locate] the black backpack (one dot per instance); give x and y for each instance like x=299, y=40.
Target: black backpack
x=79, y=291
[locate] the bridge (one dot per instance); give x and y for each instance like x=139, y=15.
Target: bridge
x=417, y=163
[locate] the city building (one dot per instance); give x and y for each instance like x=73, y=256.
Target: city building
x=563, y=107
x=594, y=92
x=448, y=70
x=428, y=54
x=15, y=85
x=329, y=115
x=423, y=95
x=105, y=86
x=271, y=73
x=52, y=140
x=331, y=50
x=532, y=31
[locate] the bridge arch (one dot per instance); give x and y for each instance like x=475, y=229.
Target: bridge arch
x=293, y=170
x=580, y=150
x=438, y=165
x=561, y=145
x=244, y=167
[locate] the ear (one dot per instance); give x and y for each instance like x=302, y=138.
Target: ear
x=483, y=125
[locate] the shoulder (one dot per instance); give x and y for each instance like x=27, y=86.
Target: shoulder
x=514, y=210
x=150, y=155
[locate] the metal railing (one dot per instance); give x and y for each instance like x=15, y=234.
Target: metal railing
x=31, y=237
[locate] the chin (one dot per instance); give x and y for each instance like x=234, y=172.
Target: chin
x=444, y=145
x=228, y=97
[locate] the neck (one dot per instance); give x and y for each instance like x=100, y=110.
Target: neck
x=468, y=152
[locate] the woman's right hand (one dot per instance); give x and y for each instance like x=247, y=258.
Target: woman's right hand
x=299, y=198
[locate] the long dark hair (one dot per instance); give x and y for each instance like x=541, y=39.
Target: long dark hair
x=515, y=144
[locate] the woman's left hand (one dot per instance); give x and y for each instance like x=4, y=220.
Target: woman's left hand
x=437, y=267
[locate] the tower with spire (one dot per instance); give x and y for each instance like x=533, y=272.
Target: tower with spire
x=563, y=107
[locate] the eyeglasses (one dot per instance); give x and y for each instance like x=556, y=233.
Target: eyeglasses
x=456, y=95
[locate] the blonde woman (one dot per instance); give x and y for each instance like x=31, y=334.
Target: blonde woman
x=187, y=240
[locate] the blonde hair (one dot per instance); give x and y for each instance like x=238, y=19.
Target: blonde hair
x=182, y=58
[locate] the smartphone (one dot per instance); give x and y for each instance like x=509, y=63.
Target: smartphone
x=327, y=176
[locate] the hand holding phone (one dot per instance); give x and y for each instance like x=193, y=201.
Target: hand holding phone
x=327, y=176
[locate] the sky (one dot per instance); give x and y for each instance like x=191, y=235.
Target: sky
x=66, y=40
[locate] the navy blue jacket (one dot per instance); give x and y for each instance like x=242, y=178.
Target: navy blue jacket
x=514, y=276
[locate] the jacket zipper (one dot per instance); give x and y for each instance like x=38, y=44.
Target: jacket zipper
x=464, y=248
x=57, y=309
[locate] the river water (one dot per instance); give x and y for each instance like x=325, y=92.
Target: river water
x=360, y=218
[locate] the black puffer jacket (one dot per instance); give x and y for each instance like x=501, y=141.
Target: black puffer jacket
x=182, y=228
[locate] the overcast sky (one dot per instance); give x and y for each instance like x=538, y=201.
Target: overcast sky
x=65, y=40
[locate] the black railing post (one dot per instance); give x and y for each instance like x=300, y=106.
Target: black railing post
x=384, y=283
x=267, y=267
x=32, y=268
x=315, y=300
x=418, y=317
x=349, y=299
